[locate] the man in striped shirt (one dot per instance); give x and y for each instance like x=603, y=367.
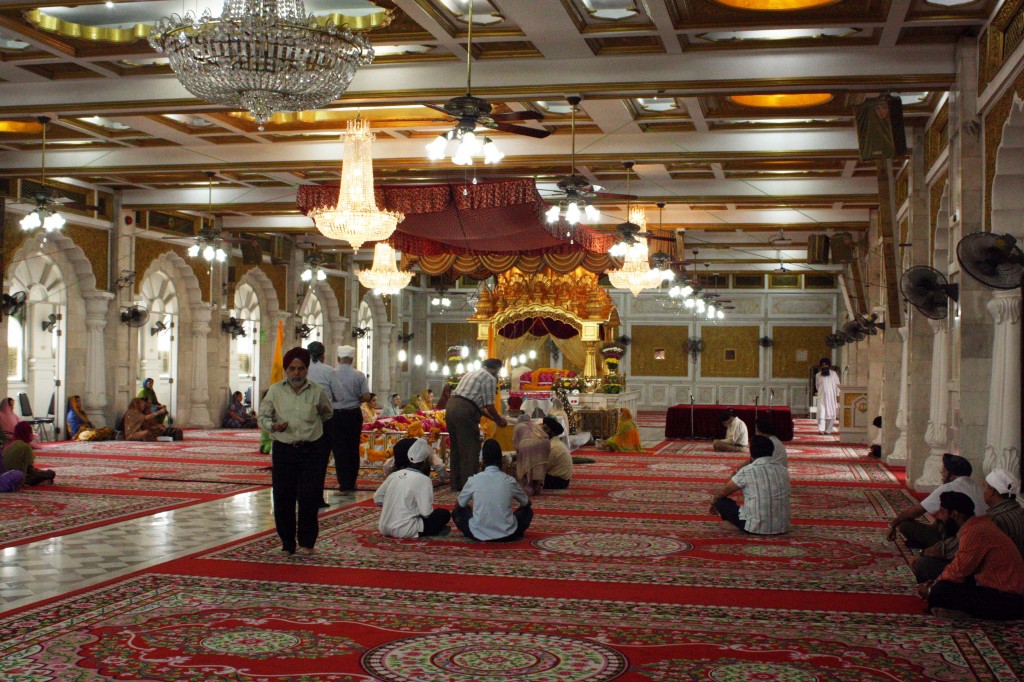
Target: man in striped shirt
x=986, y=577
x=1001, y=497
x=471, y=399
x=765, y=486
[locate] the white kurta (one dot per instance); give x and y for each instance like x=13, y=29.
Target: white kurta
x=828, y=394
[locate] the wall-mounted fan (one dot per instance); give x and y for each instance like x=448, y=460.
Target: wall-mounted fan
x=765, y=342
x=995, y=260
x=359, y=332
x=12, y=304
x=157, y=328
x=853, y=330
x=134, y=316
x=233, y=326
x=834, y=341
x=869, y=323
x=50, y=323
x=303, y=331
x=926, y=289
x=694, y=346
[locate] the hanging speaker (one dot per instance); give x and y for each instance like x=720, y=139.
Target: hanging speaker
x=817, y=249
x=880, y=132
x=841, y=247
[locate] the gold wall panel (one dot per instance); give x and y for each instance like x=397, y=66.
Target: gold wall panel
x=797, y=348
x=647, y=338
x=148, y=250
x=444, y=334
x=94, y=243
x=731, y=352
x=994, y=121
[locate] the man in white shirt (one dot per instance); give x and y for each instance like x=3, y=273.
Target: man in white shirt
x=956, y=476
x=320, y=373
x=826, y=384
x=491, y=491
x=349, y=389
x=736, y=434
x=765, y=487
x=407, y=496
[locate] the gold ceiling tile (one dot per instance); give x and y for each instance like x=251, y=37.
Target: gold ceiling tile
x=775, y=5
x=783, y=101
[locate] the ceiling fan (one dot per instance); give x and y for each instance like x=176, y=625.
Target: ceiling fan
x=45, y=201
x=630, y=231
x=470, y=112
x=208, y=240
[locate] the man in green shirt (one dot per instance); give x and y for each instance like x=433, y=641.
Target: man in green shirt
x=293, y=412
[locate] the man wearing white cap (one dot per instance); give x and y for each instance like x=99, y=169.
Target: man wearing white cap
x=1001, y=490
x=407, y=495
x=349, y=389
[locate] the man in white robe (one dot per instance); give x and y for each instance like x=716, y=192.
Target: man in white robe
x=826, y=383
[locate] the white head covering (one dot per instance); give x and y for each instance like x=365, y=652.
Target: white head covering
x=420, y=451
x=346, y=351
x=1003, y=482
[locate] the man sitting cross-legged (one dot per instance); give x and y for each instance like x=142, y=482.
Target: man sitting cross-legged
x=736, y=435
x=491, y=491
x=986, y=577
x=407, y=495
x=765, y=486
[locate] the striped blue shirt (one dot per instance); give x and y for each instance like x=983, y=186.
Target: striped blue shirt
x=765, y=486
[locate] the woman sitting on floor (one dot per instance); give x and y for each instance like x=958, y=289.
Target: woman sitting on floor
x=627, y=437
x=425, y=402
x=369, y=409
x=79, y=426
x=18, y=456
x=533, y=448
x=147, y=393
x=140, y=423
x=8, y=420
x=393, y=407
x=238, y=416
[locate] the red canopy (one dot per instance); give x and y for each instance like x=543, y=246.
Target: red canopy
x=488, y=217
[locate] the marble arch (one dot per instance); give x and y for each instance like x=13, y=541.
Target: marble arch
x=83, y=326
x=335, y=324
x=382, y=343
x=1002, y=441
x=194, y=316
x=270, y=312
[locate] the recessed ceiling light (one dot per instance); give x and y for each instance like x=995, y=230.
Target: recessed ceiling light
x=556, y=107
x=483, y=12
x=909, y=98
x=386, y=50
x=20, y=127
x=110, y=4
x=104, y=123
x=611, y=10
x=788, y=101
x=8, y=44
x=775, y=5
x=657, y=103
x=950, y=3
x=780, y=34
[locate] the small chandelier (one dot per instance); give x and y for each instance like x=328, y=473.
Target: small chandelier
x=44, y=215
x=313, y=271
x=384, y=278
x=208, y=240
x=467, y=146
x=263, y=56
x=356, y=218
x=635, y=274
x=574, y=205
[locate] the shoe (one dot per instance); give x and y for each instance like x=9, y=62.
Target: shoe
x=304, y=552
x=444, y=531
x=283, y=553
x=324, y=504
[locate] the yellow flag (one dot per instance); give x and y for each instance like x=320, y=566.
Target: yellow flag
x=277, y=365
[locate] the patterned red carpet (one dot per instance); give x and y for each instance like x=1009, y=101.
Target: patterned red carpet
x=622, y=577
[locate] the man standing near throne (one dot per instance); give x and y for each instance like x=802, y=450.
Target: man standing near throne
x=471, y=399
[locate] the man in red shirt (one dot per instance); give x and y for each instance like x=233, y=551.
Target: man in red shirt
x=986, y=577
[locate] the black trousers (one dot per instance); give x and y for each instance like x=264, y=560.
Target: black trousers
x=978, y=601
x=347, y=427
x=297, y=477
x=730, y=511
x=433, y=524
x=523, y=516
x=555, y=483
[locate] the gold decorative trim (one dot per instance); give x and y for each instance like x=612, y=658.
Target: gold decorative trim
x=100, y=34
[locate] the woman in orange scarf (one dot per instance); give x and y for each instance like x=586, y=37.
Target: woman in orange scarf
x=627, y=438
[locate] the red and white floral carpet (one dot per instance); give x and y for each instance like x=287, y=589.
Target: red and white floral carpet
x=625, y=576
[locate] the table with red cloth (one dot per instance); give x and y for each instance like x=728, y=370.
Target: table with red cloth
x=707, y=420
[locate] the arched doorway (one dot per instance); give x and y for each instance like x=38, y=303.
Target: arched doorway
x=36, y=336
x=244, y=364
x=311, y=314
x=158, y=338
x=364, y=342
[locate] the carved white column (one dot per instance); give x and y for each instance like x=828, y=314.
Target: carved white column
x=898, y=456
x=937, y=433
x=95, y=395
x=382, y=336
x=1002, y=443
x=199, y=410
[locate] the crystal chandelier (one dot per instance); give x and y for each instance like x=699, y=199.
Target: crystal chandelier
x=384, y=278
x=356, y=219
x=635, y=274
x=263, y=56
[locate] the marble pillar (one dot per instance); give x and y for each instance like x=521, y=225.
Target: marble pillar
x=94, y=398
x=898, y=455
x=384, y=338
x=199, y=409
x=936, y=435
x=1002, y=446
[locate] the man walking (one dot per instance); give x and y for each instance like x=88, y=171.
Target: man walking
x=473, y=397
x=350, y=389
